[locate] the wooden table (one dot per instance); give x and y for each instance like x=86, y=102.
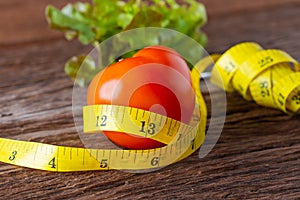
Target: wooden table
x=256, y=157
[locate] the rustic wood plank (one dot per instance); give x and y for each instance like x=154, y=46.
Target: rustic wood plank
x=257, y=156
x=217, y=8
x=272, y=28
x=24, y=21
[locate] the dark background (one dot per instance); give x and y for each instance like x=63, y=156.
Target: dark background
x=257, y=156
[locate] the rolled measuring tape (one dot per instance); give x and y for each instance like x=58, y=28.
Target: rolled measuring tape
x=269, y=77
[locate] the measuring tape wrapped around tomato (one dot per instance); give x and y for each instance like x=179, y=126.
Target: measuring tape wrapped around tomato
x=150, y=104
x=269, y=77
x=155, y=79
x=156, y=109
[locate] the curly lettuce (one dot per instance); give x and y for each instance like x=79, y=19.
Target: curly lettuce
x=92, y=23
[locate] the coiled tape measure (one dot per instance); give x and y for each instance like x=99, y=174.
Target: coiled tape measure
x=269, y=77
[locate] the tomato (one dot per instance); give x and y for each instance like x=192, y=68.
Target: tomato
x=156, y=78
x=166, y=56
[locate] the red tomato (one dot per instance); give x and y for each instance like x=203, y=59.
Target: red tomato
x=165, y=56
x=156, y=78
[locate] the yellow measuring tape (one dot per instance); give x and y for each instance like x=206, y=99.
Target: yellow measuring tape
x=270, y=77
x=182, y=140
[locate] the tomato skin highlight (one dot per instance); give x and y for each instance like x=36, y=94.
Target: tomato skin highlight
x=118, y=84
x=165, y=56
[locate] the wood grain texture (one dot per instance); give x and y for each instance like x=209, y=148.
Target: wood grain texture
x=256, y=157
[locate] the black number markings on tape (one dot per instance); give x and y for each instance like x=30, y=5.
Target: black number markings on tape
x=296, y=98
x=104, y=163
x=280, y=99
x=52, y=163
x=150, y=129
x=193, y=144
x=265, y=61
x=230, y=67
x=264, y=86
x=155, y=161
x=13, y=155
x=101, y=121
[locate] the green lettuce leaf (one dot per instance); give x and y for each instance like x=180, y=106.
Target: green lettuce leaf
x=92, y=23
